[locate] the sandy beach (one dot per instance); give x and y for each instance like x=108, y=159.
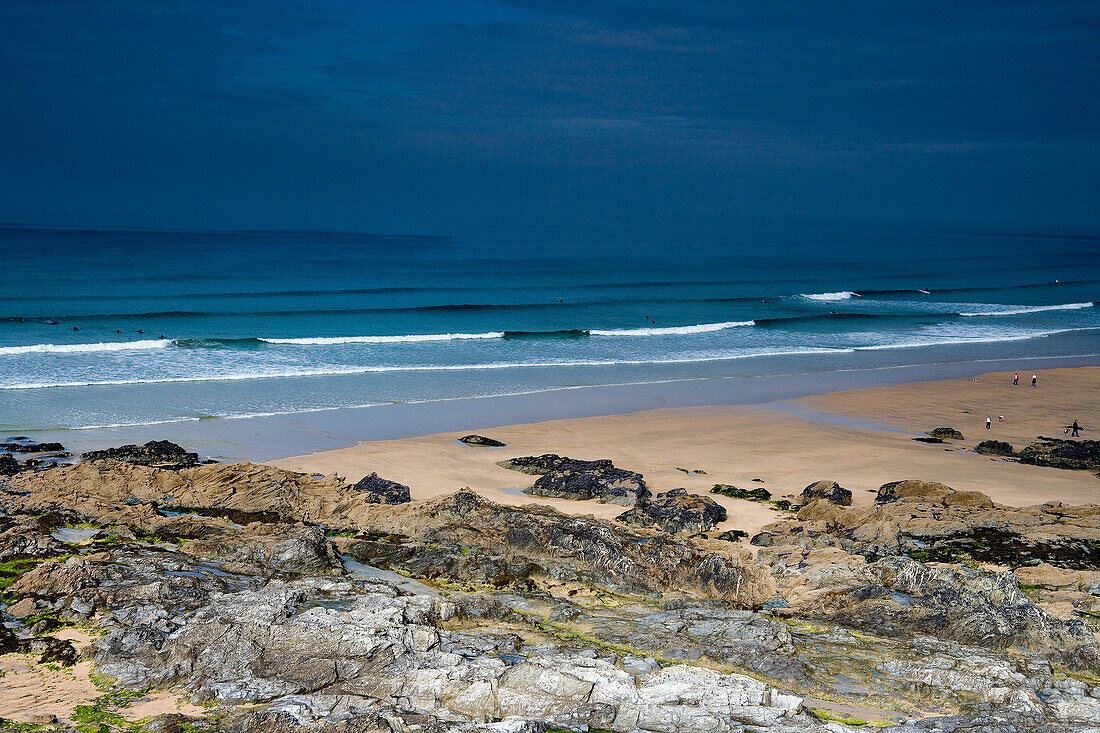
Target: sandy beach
x=859, y=438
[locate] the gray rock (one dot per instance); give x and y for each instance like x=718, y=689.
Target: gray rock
x=604, y=483
x=378, y=490
x=160, y=453
x=676, y=511
x=481, y=440
x=995, y=448
x=827, y=490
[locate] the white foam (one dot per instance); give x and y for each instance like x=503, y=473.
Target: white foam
x=842, y=295
x=86, y=348
x=339, y=371
x=407, y=338
x=991, y=339
x=1009, y=310
x=671, y=330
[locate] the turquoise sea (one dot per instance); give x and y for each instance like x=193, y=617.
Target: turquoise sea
x=145, y=328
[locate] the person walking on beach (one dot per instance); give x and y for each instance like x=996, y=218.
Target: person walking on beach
x=1034, y=380
x=1016, y=380
x=1075, y=427
x=989, y=423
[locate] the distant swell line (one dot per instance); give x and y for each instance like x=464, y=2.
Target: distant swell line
x=407, y=338
x=1007, y=310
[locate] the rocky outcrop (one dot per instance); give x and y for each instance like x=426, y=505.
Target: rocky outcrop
x=995, y=448
x=482, y=441
x=8, y=465
x=25, y=445
x=547, y=462
x=946, y=434
x=159, y=453
x=1059, y=453
x=26, y=537
x=219, y=582
x=113, y=492
x=676, y=511
x=369, y=644
x=378, y=490
x=827, y=490
x=582, y=480
x=470, y=538
x=933, y=522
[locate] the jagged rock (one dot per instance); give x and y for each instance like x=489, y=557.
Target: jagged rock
x=547, y=462
x=378, y=490
x=827, y=490
x=8, y=465
x=1059, y=453
x=261, y=547
x=946, y=434
x=25, y=537
x=24, y=445
x=481, y=440
x=277, y=646
x=160, y=453
x=676, y=511
x=995, y=448
x=467, y=537
x=582, y=480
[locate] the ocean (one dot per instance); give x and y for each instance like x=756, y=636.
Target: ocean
x=111, y=328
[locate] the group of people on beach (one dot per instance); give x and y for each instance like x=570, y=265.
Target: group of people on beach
x=1016, y=380
x=1072, y=431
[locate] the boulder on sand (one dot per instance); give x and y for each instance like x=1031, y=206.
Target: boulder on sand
x=946, y=434
x=547, y=462
x=598, y=480
x=676, y=511
x=481, y=440
x=994, y=448
x=827, y=490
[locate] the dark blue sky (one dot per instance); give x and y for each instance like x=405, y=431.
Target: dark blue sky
x=431, y=116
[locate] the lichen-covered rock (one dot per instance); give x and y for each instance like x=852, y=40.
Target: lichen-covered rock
x=160, y=453
x=827, y=490
x=676, y=511
x=378, y=490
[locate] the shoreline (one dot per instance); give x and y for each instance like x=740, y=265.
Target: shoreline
x=861, y=438
x=269, y=438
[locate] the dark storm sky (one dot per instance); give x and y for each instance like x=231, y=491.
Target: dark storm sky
x=423, y=115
